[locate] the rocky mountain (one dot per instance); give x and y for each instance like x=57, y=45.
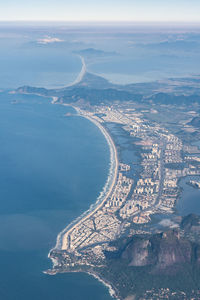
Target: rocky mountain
x=195, y=122
x=165, y=263
x=91, y=52
x=164, y=252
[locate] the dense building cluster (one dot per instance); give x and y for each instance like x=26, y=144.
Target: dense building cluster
x=164, y=159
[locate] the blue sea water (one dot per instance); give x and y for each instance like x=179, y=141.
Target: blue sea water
x=34, y=65
x=52, y=167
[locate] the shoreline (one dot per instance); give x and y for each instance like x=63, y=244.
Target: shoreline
x=113, y=292
x=81, y=73
x=111, y=289
x=78, y=79
x=105, y=193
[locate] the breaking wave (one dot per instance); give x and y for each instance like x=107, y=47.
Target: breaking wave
x=112, y=174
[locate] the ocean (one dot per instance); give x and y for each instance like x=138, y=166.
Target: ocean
x=23, y=63
x=52, y=168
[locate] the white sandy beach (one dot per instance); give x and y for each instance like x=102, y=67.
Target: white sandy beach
x=62, y=237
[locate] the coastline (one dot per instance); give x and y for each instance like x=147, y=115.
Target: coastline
x=101, y=199
x=104, y=194
x=111, y=289
x=81, y=73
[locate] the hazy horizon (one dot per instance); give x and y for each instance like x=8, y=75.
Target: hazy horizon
x=122, y=25
x=110, y=10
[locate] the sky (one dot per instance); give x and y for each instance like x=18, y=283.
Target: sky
x=101, y=10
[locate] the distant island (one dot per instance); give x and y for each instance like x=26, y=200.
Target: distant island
x=91, y=53
x=132, y=238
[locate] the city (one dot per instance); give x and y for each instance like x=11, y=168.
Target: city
x=131, y=202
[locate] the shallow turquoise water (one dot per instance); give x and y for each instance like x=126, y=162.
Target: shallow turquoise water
x=52, y=168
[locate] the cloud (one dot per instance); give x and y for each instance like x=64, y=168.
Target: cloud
x=168, y=223
x=49, y=40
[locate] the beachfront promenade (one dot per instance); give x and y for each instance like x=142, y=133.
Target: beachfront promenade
x=88, y=229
